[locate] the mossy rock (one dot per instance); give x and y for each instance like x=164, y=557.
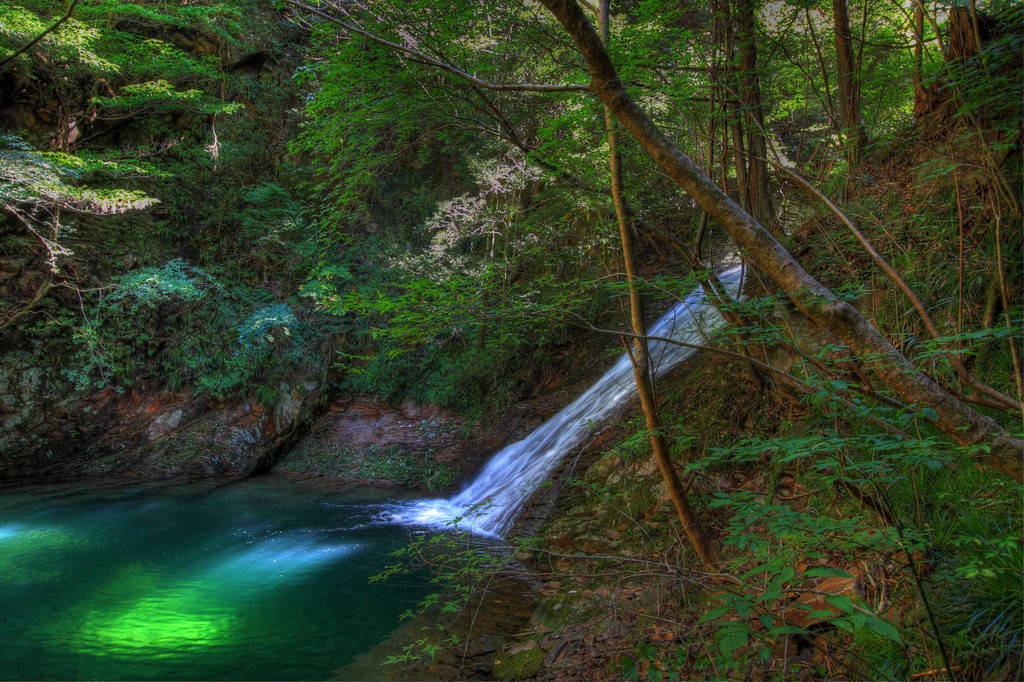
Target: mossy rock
x=524, y=664
x=568, y=608
x=592, y=544
x=599, y=471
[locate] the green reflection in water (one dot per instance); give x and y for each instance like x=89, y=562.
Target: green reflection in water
x=31, y=555
x=263, y=579
x=173, y=618
x=200, y=611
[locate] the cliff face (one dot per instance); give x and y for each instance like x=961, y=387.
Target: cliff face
x=148, y=211
x=48, y=430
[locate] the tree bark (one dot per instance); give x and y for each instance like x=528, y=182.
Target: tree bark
x=639, y=355
x=957, y=419
x=739, y=153
x=750, y=89
x=919, y=94
x=854, y=136
x=731, y=109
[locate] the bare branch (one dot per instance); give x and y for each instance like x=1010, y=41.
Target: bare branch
x=794, y=382
x=996, y=398
x=53, y=27
x=962, y=423
x=431, y=61
x=40, y=295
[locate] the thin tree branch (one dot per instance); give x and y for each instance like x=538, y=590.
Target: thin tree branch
x=962, y=423
x=795, y=382
x=53, y=27
x=995, y=396
x=430, y=61
x=36, y=300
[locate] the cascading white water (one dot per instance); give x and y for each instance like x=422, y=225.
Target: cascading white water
x=489, y=504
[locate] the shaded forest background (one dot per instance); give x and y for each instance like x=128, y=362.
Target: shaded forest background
x=231, y=199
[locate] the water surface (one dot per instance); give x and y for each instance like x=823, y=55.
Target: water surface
x=266, y=578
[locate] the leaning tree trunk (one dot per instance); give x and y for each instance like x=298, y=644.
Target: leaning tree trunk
x=639, y=355
x=989, y=441
x=854, y=136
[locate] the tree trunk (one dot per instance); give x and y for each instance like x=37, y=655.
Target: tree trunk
x=734, y=115
x=639, y=355
x=854, y=136
x=750, y=89
x=919, y=94
x=962, y=423
x=739, y=152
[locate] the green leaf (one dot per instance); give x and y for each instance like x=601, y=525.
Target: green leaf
x=733, y=639
x=841, y=602
x=752, y=572
x=769, y=596
x=843, y=624
x=786, y=630
x=826, y=572
x=714, y=614
x=884, y=628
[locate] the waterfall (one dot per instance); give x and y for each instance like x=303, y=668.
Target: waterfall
x=490, y=503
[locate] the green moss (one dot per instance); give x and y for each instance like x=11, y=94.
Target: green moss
x=322, y=457
x=522, y=665
x=405, y=469
x=569, y=607
x=370, y=462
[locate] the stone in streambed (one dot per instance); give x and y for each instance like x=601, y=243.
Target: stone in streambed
x=521, y=662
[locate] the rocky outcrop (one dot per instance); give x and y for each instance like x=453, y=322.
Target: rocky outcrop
x=406, y=444
x=235, y=440
x=48, y=429
x=39, y=416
